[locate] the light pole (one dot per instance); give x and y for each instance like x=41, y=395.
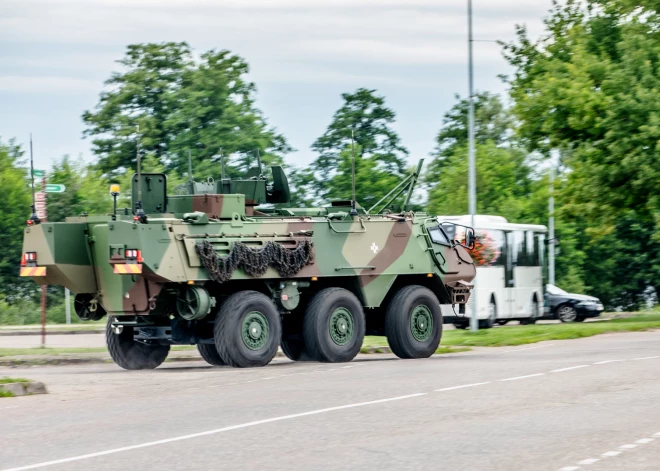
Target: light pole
x=551, y=224
x=472, y=171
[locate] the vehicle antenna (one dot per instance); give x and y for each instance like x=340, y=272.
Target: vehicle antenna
x=33, y=217
x=190, y=173
x=259, y=161
x=353, y=203
x=139, y=213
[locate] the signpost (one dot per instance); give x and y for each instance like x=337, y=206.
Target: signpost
x=38, y=173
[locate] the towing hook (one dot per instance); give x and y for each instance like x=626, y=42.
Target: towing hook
x=117, y=329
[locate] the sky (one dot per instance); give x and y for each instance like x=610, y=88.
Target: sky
x=56, y=54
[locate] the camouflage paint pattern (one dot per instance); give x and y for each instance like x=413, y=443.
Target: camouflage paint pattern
x=374, y=250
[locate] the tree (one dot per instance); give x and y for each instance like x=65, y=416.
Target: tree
x=15, y=201
x=493, y=122
x=180, y=104
x=588, y=89
x=364, y=117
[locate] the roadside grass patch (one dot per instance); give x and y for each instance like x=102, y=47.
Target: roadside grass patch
x=525, y=334
x=10, y=352
x=8, y=380
x=6, y=393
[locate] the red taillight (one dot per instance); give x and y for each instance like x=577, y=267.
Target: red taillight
x=134, y=254
x=29, y=258
x=30, y=222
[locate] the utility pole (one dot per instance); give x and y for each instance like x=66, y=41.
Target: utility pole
x=551, y=227
x=472, y=171
x=67, y=305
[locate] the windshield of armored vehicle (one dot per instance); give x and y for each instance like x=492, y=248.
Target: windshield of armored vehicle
x=439, y=236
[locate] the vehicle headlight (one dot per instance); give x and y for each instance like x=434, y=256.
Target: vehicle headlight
x=586, y=303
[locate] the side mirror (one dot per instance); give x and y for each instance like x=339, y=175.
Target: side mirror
x=470, y=238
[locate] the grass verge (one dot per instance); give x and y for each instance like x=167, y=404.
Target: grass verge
x=10, y=352
x=6, y=393
x=522, y=335
x=8, y=380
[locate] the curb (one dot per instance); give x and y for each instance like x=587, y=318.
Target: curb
x=24, y=389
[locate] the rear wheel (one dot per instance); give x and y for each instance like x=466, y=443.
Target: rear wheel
x=133, y=355
x=502, y=321
x=413, y=322
x=293, y=343
x=334, y=326
x=536, y=313
x=210, y=354
x=247, y=330
x=492, y=316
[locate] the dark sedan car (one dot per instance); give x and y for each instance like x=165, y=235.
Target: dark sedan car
x=569, y=307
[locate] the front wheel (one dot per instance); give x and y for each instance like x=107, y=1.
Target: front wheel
x=567, y=314
x=334, y=326
x=492, y=316
x=247, y=330
x=133, y=355
x=536, y=313
x=413, y=322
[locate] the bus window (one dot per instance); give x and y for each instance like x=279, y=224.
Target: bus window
x=517, y=250
x=532, y=256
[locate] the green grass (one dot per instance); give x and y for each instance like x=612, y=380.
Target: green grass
x=9, y=352
x=8, y=380
x=522, y=335
x=6, y=393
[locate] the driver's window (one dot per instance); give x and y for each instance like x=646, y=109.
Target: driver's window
x=438, y=236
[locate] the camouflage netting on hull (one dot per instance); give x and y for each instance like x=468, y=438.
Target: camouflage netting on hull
x=255, y=262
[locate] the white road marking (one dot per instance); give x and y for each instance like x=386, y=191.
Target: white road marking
x=212, y=432
x=647, y=358
x=628, y=447
x=589, y=461
x=461, y=387
x=10, y=407
x=523, y=349
x=606, y=362
x=656, y=434
x=608, y=454
x=569, y=368
x=644, y=441
x=344, y=367
x=521, y=377
x=570, y=468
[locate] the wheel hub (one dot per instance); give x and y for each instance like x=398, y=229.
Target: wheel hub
x=421, y=323
x=255, y=331
x=341, y=326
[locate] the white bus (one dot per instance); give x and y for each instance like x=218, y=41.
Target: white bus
x=509, y=282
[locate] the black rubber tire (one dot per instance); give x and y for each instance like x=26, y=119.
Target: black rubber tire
x=210, y=354
x=491, y=321
x=563, y=319
x=462, y=325
x=397, y=322
x=293, y=341
x=227, y=329
x=535, y=314
x=132, y=355
x=316, y=325
x=502, y=321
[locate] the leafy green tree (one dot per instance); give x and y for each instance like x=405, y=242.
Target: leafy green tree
x=15, y=201
x=180, y=104
x=588, y=89
x=493, y=123
x=364, y=116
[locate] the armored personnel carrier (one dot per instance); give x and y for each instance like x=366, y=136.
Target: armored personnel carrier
x=226, y=266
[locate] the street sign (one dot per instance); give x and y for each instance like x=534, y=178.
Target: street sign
x=54, y=188
x=40, y=196
x=41, y=214
x=40, y=205
x=39, y=173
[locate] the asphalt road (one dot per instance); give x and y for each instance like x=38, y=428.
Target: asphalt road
x=589, y=404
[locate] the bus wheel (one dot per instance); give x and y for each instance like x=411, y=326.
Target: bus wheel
x=334, y=325
x=492, y=316
x=413, y=322
x=247, y=330
x=502, y=321
x=535, y=314
x=130, y=354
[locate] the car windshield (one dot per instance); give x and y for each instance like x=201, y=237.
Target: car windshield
x=552, y=289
